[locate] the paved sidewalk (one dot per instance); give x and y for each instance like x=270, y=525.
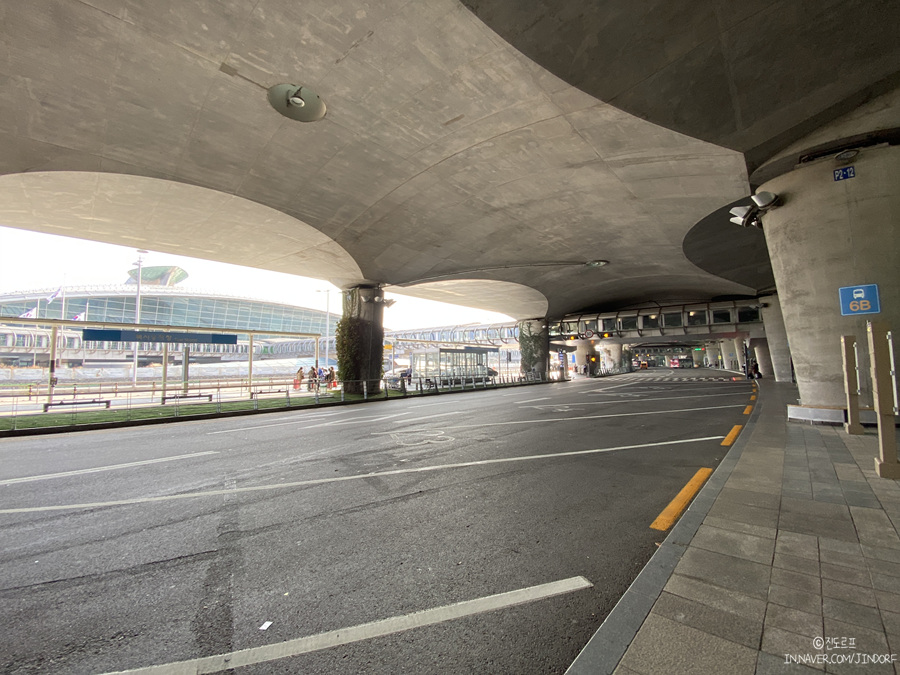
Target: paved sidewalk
x=790, y=551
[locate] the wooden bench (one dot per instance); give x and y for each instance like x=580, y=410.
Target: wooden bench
x=95, y=401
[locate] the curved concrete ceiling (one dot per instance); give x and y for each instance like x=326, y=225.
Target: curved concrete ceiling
x=445, y=153
x=171, y=217
x=514, y=300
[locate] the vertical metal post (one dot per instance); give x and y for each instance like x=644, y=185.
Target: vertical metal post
x=890, y=340
x=886, y=464
x=165, y=372
x=185, y=363
x=51, y=382
x=250, y=366
x=851, y=385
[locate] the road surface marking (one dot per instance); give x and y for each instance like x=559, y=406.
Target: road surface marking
x=113, y=467
x=676, y=507
x=753, y=398
x=545, y=398
x=340, y=479
x=630, y=400
x=366, y=631
x=428, y=417
x=592, y=417
x=748, y=410
x=733, y=434
x=305, y=420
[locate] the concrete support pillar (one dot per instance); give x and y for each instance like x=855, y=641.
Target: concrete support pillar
x=584, y=352
x=740, y=355
x=612, y=355
x=363, y=323
x=835, y=228
x=712, y=355
x=776, y=336
x=534, y=344
x=760, y=347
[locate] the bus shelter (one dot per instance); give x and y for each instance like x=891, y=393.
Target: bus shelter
x=443, y=367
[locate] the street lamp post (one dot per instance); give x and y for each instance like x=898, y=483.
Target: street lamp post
x=327, y=293
x=137, y=313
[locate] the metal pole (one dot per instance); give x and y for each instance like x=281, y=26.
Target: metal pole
x=137, y=313
x=52, y=369
x=886, y=464
x=165, y=372
x=250, y=367
x=327, y=323
x=851, y=385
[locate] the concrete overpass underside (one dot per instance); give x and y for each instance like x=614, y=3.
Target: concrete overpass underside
x=540, y=159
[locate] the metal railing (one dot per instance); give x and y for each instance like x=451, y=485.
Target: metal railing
x=41, y=406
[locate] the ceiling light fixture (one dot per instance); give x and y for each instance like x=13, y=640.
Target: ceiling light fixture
x=296, y=102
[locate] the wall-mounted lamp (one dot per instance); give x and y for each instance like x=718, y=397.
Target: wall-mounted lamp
x=747, y=216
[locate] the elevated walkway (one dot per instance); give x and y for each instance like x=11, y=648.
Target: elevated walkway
x=789, y=555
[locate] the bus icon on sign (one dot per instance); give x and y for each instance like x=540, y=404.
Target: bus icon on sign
x=859, y=300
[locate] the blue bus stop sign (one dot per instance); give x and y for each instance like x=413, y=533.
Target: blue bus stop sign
x=860, y=300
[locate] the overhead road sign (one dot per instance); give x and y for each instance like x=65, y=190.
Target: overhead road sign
x=861, y=299
x=170, y=337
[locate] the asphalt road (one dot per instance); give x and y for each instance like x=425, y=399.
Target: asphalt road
x=426, y=518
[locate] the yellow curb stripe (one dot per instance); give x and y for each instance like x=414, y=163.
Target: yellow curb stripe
x=753, y=398
x=733, y=434
x=748, y=410
x=676, y=507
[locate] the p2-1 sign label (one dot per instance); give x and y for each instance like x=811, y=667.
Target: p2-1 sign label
x=860, y=300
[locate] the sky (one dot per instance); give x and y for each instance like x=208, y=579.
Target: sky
x=32, y=260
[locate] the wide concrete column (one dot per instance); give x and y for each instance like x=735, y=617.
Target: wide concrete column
x=712, y=354
x=611, y=354
x=583, y=354
x=740, y=355
x=534, y=344
x=761, y=353
x=362, y=325
x=776, y=337
x=830, y=234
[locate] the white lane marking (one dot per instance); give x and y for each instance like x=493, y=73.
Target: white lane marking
x=588, y=417
x=630, y=400
x=341, y=479
x=545, y=398
x=428, y=405
x=276, y=424
x=113, y=467
x=428, y=417
x=360, y=420
x=366, y=631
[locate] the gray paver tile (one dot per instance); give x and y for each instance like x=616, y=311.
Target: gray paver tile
x=884, y=567
x=817, y=517
x=846, y=559
x=793, y=620
x=874, y=528
x=724, y=624
x=740, y=575
x=849, y=575
x=791, y=597
x=797, y=544
x=850, y=612
x=735, y=526
x=752, y=515
x=781, y=642
x=887, y=601
x=891, y=622
x=802, y=582
x=839, y=545
x=666, y=646
x=848, y=592
x=879, y=553
x=796, y=564
x=717, y=597
x=766, y=500
x=738, y=544
x=885, y=582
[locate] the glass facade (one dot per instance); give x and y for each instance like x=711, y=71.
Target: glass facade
x=180, y=308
